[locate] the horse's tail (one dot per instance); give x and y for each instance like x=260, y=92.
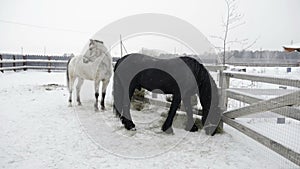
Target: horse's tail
x=212, y=117
x=117, y=90
x=215, y=91
x=118, y=96
x=67, y=73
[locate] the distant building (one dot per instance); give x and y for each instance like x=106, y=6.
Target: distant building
x=68, y=55
x=291, y=48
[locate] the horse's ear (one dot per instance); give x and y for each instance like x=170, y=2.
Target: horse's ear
x=91, y=42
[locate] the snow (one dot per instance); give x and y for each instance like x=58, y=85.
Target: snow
x=286, y=134
x=39, y=130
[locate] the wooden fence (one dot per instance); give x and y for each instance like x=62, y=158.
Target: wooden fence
x=24, y=62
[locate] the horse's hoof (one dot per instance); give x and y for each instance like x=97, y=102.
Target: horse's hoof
x=96, y=109
x=133, y=129
x=79, y=104
x=103, y=108
x=128, y=124
x=210, y=131
x=70, y=105
x=169, y=130
x=194, y=128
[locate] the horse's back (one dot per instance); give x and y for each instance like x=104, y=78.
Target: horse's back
x=89, y=71
x=136, y=59
x=71, y=66
x=164, y=74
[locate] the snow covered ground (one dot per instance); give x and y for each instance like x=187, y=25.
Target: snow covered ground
x=39, y=130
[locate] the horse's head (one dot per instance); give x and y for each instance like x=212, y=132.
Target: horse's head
x=95, y=43
x=95, y=51
x=212, y=122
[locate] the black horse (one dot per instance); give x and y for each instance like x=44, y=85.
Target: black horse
x=182, y=77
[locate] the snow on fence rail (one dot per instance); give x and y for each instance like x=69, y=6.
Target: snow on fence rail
x=25, y=62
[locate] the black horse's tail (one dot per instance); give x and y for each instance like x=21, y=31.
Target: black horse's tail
x=118, y=96
x=117, y=90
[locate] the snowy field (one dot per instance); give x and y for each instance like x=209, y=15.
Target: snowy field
x=39, y=130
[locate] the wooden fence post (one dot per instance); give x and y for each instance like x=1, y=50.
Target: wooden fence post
x=49, y=64
x=224, y=85
x=1, y=64
x=14, y=63
x=24, y=62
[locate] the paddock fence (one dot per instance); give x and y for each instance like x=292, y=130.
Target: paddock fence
x=10, y=62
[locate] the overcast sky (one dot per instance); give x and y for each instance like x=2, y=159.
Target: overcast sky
x=59, y=26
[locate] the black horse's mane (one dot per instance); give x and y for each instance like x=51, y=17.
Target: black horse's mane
x=199, y=72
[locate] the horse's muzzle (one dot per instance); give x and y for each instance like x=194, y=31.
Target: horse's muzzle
x=85, y=60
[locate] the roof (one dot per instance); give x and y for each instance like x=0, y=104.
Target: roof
x=293, y=47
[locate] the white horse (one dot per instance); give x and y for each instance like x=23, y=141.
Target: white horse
x=95, y=65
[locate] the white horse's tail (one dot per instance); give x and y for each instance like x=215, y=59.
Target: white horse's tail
x=68, y=76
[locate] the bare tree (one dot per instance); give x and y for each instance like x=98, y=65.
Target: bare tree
x=232, y=20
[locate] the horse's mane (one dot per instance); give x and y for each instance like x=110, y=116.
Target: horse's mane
x=200, y=72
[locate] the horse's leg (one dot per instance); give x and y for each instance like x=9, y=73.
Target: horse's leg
x=205, y=100
x=167, y=126
x=126, y=117
x=70, y=87
x=78, y=88
x=190, y=125
x=97, y=82
x=104, y=86
x=118, y=97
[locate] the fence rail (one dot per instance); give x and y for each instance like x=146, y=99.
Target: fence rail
x=249, y=64
x=265, y=79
